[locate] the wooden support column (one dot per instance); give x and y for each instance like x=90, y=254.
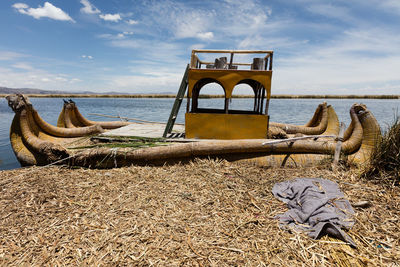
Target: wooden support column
x=255, y=99
x=226, y=105
x=266, y=107
x=262, y=99
x=270, y=61
x=188, y=104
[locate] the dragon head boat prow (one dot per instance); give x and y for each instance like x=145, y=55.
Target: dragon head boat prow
x=18, y=102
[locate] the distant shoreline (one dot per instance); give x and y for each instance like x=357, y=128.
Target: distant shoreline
x=211, y=96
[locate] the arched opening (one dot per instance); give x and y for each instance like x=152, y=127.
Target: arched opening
x=242, y=98
x=252, y=88
x=206, y=97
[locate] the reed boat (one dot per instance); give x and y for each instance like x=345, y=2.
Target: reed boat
x=234, y=135
x=35, y=142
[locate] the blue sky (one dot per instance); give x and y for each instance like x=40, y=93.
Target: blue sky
x=320, y=47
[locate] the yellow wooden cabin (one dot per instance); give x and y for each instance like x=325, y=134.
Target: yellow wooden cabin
x=226, y=123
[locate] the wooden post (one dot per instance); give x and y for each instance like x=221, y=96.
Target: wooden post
x=257, y=63
x=192, y=59
x=338, y=145
x=266, y=107
x=270, y=61
x=262, y=99
x=255, y=98
x=231, y=61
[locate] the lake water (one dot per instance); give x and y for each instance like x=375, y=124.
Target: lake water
x=297, y=111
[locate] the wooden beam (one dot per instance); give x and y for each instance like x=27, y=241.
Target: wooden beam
x=233, y=51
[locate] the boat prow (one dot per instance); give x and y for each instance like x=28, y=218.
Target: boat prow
x=70, y=117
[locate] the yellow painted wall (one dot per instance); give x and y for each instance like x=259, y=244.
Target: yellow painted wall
x=225, y=126
x=230, y=78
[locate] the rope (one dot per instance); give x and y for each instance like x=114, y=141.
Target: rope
x=129, y=119
x=315, y=137
x=45, y=166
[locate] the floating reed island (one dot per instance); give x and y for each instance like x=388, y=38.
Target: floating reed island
x=75, y=141
x=204, y=213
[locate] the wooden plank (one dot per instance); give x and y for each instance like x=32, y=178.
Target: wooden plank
x=233, y=63
x=149, y=130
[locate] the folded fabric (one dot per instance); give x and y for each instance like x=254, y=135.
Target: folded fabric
x=316, y=206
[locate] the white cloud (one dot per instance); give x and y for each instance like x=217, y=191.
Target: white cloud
x=205, y=35
x=140, y=83
x=223, y=19
x=197, y=46
x=8, y=55
x=356, y=62
x=331, y=11
x=124, y=34
x=88, y=57
x=192, y=23
x=35, y=78
x=61, y=79
x=75, y=80
x=105, y=36
x=22, y=65
x=47, y=11
x=20, y=6
x=120, y=35
x=111, y=17
x=243, y=17
x=390, y=5
x=88, y=8
x=132, y=22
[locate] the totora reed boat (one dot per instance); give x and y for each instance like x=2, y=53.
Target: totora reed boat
x=234, y=135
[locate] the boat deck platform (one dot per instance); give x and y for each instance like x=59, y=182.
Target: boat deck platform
x=146, y=130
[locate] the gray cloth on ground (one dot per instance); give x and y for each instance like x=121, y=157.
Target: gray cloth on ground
x=316, y=206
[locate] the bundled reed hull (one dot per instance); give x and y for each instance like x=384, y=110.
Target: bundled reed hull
x=36, y=143
x=295, y=153
x=70, y=117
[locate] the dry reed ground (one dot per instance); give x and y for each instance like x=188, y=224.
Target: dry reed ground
x=206, y=213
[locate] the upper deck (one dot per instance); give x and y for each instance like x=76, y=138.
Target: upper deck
x=229, y=68
x=263, y=63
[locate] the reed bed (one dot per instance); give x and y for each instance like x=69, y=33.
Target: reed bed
x=210, y=96
x=385, y=161
x=204, y=213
